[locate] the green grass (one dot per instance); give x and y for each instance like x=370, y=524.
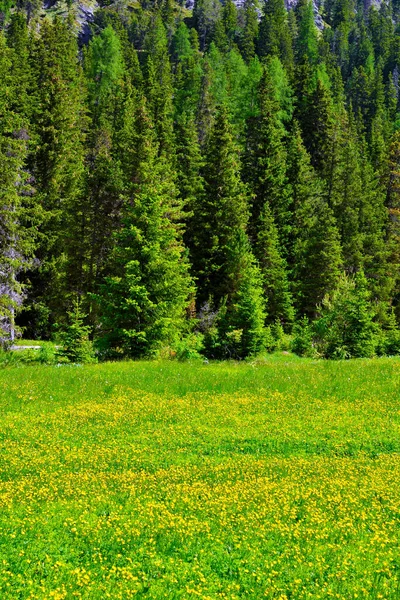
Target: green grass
x=272, y=479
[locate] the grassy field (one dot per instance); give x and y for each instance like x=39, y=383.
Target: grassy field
x=278, y=479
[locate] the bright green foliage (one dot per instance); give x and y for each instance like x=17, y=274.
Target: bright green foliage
x=143, y=304
x=281, y=88
x=224, y=85
x=104, y=69
x=307, y=39
x=188, y=72
x=158, y=85
x=74, y=337
x=346, y=327
x=302, y=341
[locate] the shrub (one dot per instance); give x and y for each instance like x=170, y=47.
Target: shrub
x=389, y=339
x=190, y=347
x=346, y=327
x=76, y=346
x=302, y=342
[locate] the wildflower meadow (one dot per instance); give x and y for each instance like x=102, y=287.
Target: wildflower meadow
x=276, y=479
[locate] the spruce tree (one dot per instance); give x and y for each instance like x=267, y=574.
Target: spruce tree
x=143, y=303
x=315, y=256
x=221, y=214
x=58, y=163
x=239, y=330
x=274, y=270
x=249, y=31
x=265, y=165
x=274, y=35
x=18, y=216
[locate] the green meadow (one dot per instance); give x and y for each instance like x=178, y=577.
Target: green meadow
x=277, y=479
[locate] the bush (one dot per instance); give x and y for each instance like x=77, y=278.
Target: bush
x=346, y=327
x=389, y=339
x=76, y=346
x=190, y=347
x=302, y=342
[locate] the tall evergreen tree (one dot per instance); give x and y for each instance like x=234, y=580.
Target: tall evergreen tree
x=58, y=163
x=143, y=303
x=274, y=35
x=265, y=164
x=316, y=253
x=222, y=212
x=18, y=216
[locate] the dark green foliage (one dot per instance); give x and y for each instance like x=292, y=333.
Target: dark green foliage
x=274, y=37
x=219, y=214
x=274, y=270
x=316, y=252
x=220, y=169
x=238, y=329
x=265, y=164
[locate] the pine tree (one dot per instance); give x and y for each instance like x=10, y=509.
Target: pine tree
x=206, y=106
x=205, y=15
x=143, y=303
x=248, y=35
x=240, y=328
x=307, y=38
x=100, y=205
x=316, y=118
x=315, y=256
x=188, y=71
x=158, y=85
x=221, y=214
x=190, y=181
x=274, y=35
x=58, y=163
x=265, y=165
x=18, y=216
x=346, y=327
x=274, y=270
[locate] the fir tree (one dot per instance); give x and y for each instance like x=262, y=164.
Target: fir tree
x=18, y=217
x=265, y=164
x=274, y=35
x=143, y=303
x=221, y=214
x=58, y=163
x=249, y=31
x=315, y=256
x=274, y=270
x=239, y=330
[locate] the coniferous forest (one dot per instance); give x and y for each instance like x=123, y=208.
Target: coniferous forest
x=206, y=178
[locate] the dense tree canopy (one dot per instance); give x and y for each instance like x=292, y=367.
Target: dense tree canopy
x=221, y=169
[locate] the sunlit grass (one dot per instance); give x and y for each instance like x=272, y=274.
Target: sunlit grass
x=272, y=479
